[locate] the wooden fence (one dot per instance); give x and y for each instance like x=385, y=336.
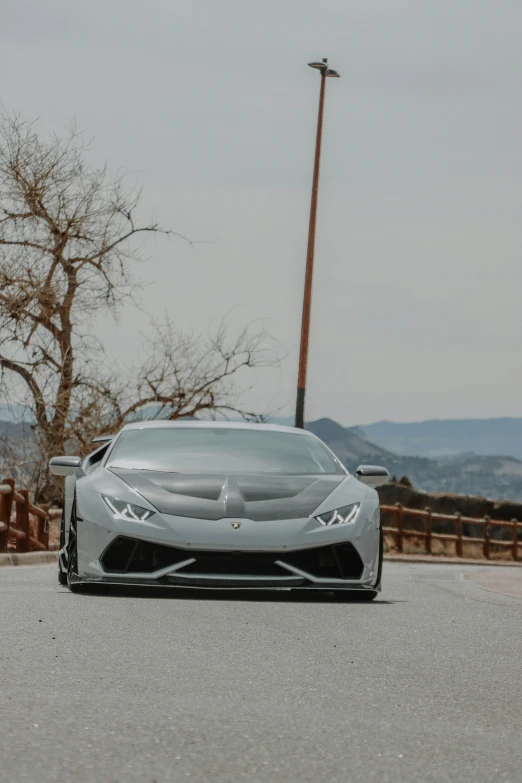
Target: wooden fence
x=425, y=519
x=14, y=502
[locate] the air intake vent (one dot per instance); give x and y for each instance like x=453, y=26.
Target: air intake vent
x=340, y=561
x=235, y=563
x=128, y=556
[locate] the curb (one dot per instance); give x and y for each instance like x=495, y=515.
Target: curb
x=46, y=558
x=450, y=560
x=28, y=558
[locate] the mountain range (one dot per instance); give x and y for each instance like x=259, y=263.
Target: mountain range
x=449, y=437
x=490, y=476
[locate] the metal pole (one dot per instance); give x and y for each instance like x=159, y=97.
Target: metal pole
x=307, y=299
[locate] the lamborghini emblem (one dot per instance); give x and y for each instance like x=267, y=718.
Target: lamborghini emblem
x=236, y=525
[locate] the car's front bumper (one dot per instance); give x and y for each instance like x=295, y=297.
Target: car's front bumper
x=174, y=551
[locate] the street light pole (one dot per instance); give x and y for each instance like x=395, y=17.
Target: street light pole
x=325, y=71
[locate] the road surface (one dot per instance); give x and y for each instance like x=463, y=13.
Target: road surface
x=423, y=685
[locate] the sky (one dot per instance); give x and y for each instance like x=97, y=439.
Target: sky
x=211, y=106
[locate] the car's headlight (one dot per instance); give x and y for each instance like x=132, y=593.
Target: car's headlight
x=340, y=516
x=123, y=510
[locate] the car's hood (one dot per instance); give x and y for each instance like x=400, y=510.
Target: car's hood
x=260, y=498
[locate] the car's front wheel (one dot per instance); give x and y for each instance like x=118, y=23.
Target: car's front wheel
x=381, y=556
x=62, y=572
x=73, y=582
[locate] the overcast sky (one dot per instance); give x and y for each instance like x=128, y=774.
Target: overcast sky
x=210, y=105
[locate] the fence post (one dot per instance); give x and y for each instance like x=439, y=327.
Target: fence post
x=22, y=522
x=487, y=533
x=43, y=526
x=6, y=505
x=399, y=524
x=3, y=533
x=428, y=529
x=514, y=522
x=458, y=532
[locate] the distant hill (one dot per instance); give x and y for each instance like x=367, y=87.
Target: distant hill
x=15, y=430
x=494, y=477
x=449, y=437
x=349, y=445
x=448, y=503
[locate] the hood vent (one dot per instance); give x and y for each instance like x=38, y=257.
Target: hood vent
x=258, y=497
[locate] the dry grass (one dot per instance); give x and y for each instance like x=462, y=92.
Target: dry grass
x=54, y=534
x=416, y=546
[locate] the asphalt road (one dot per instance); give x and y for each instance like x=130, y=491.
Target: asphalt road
x=424, y=685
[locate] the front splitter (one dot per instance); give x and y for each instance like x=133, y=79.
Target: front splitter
x=226, y=585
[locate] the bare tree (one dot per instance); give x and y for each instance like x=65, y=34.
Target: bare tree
x=68, y=236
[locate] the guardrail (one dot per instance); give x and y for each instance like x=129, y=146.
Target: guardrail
x=15, y=502
x=427, y=517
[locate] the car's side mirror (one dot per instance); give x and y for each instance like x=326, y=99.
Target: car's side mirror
x=372, y=475
x=65, y=466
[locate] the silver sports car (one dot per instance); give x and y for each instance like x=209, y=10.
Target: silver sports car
x=207, y=504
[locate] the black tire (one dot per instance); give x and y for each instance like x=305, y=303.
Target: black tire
x=73, y=582
x=378, y=583
x=62, y=575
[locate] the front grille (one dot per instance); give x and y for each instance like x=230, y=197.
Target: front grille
x=235, y=563
x=127, y=556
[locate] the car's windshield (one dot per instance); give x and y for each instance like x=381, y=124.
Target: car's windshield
x=222, y=450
